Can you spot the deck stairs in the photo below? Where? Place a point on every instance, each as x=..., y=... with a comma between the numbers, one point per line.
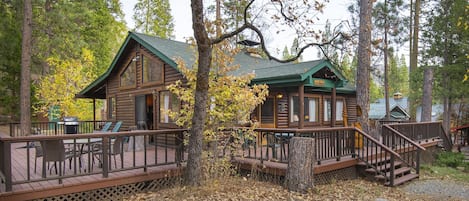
x=396, y=157
x=380, y=170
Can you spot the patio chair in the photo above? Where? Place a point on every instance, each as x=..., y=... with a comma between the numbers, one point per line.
x=278, y=141
x=117, y=127
x=38, y=153
x=105, y=127
x=54, y=151
x=116, y=148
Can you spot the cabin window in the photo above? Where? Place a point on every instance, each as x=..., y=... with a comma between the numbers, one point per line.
x=294, y=109
x=128, y=77
x=338, y=112
x=112, y=107
x=310, y=110
x=152, y=70
x=168, y=102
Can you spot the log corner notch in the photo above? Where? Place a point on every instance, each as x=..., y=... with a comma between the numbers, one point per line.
x=300, y=172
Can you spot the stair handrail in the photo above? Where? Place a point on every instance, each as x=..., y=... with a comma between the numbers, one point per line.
x=368, y=159
x=405, y=137
x=428, y=134
x=447, y=140
x=402, y=148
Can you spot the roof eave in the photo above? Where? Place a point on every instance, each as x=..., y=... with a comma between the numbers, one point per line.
x=278, y=80
x=106, y=74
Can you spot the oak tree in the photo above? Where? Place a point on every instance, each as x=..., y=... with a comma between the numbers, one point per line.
x=295, y=15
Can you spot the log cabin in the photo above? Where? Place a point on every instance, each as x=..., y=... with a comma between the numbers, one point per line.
x=301, y=95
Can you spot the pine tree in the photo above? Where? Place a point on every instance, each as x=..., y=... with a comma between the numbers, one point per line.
x=64, y=32
x=445, y=39
x=10, y=57
x=153, y=17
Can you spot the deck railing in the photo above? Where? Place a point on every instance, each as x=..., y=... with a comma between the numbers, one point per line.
x=410, y=151
x=330, y=143
x=375, y=155
x=424, y=131
x=158, y=147
x=273, y=144
x=54, y=128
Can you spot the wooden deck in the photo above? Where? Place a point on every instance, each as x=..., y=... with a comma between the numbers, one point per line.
x=86, y=177
x=333, y=152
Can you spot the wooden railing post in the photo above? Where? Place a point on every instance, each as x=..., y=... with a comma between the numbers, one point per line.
x=11, y=129
x=427, y=132
x=417, y=168
x=391, y=176
x=259, y=143
x=6, y=164
x=145, y=168
x=180, y=148
x=106, y=157
x=55, y=128
x=339, y=148
x=393, y=141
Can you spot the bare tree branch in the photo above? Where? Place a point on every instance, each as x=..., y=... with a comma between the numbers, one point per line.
x=281, y=11
x=249, y=26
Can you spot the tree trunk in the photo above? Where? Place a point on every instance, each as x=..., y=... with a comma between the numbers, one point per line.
x=25, y=97
x=363, y=72
x=386, y=65
x=447, y=113
x=193, y=174
x=427, y=95
x=301, y=160
x=414, y=55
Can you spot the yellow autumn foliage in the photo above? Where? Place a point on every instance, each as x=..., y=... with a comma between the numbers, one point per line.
x=231, y=97
x=67, y=78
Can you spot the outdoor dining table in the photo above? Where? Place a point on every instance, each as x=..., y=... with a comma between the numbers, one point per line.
x=82, y=142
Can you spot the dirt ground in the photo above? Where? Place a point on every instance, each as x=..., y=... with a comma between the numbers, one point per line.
x=239, y=188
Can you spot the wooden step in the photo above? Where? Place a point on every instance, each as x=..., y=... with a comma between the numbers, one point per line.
x=397, y=172
x=374, y=162
x=384, y=167
x=403, y=179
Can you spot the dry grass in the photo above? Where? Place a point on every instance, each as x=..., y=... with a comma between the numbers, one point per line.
x=236, y=188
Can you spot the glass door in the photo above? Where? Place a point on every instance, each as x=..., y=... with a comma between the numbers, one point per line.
x=144, y=112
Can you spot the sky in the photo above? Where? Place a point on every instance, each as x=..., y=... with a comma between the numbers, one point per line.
x=335, y=11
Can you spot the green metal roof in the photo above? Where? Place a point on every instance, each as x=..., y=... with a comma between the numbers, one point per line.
x=266, y=71
x=167, y=50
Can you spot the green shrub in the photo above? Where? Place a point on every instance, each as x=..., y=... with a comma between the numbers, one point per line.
x=450, y=159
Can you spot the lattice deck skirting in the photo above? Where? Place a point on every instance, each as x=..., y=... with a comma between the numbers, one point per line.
x=335, y=175
x=319, y=179
x=117, y=192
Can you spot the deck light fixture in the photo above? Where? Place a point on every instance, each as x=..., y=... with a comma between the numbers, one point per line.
x=279, y=95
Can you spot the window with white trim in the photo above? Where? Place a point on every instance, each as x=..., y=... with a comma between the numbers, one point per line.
x=168, y=102
x=338, y=112
x=311, y=110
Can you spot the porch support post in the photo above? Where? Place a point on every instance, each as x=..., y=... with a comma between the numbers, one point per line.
x=301, y=97
x=94, y=114
x=333, y=107
x=105, y=157
x=5, y=167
